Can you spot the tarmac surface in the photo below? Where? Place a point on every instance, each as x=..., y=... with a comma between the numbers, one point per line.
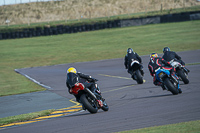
x=132, y=106
x=31, y=102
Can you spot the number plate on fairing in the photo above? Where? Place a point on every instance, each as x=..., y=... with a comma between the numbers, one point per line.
x=161, y=75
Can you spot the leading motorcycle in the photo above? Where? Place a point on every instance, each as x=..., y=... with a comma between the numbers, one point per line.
x=91, y=101
x=181, y=72
x=170, y=82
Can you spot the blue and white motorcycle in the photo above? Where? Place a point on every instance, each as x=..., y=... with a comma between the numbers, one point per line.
x=170, y=82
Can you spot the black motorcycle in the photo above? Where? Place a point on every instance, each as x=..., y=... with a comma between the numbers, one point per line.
x=136, y=72
x=91, y=101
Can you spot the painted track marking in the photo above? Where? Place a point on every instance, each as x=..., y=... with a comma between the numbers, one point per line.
x=118, y=77
x=64, y=111
x=55, y=114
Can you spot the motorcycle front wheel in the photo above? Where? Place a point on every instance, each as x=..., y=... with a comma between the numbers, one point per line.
x=89, y=105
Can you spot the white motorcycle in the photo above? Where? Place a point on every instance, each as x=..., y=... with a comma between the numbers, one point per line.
x=181, y=72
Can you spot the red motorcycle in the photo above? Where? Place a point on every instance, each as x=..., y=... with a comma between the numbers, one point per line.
x=91, y=101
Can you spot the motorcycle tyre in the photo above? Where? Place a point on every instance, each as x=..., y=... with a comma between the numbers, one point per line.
x=87, y=105
x=105, y=106
x=139, y=77
x=183, y=77
x=170, y=86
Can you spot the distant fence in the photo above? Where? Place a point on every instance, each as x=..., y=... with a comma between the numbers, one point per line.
x=63, y=29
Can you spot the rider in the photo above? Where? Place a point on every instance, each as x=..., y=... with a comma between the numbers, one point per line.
x=86, y=80
x=170, y=55
x=158, y=62
x=128, y=59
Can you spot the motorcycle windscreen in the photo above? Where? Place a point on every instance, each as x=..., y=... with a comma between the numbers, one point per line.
x=72, y=79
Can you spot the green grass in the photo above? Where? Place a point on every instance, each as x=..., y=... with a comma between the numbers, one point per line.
x=184, y=127
x=24, y=117
x=88, y=46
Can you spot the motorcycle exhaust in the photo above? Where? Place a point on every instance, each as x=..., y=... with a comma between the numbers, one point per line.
x=91, y=94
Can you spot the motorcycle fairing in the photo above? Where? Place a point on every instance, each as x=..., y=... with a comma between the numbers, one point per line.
x=77, y=87
x=160, y=71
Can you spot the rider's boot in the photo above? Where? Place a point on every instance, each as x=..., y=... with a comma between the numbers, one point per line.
x=83, y=107
x=179, y=90
x=134, y=77
x=129, y=71
x=163, y=87
x=157, y=83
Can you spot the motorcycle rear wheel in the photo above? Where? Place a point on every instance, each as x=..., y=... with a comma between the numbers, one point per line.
x=91, y=108
x=170, y=86
x=183, y=76
x=139, y=77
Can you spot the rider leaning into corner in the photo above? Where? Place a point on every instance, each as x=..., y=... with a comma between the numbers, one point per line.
x=156, y=63
x=128, y=59
x=170, y=55
x=82, y=78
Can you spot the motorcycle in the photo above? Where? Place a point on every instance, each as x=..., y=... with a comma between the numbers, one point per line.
x=181, y=72
x=170, y=82
x=136, y=73
x=91, y=101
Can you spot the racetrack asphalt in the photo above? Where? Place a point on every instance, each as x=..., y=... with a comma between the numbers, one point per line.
x=132, y=106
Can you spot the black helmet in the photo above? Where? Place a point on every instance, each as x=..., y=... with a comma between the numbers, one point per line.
x=129, y=50
x=166, y=49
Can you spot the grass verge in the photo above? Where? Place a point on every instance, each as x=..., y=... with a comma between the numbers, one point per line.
x=184, y=127
x=24, y=117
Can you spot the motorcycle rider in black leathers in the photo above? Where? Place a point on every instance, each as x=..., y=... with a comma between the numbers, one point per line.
x=170, y=55
x=86, y=80
x=156, y=63
x=128, y=60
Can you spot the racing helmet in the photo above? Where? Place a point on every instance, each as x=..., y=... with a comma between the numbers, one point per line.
x=166, y=49
x=129, y=50
x=153, y=55
x=71, y=70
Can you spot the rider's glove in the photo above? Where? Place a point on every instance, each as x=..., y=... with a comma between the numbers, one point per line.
x=92, y=79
